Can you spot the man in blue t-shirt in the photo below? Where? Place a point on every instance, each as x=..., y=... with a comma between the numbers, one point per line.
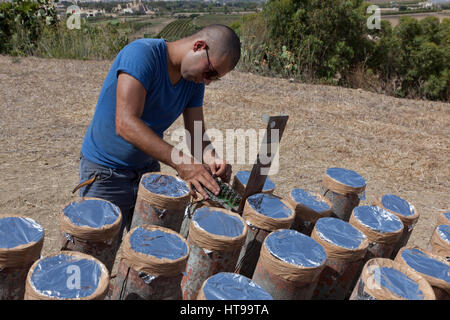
x=150, y=84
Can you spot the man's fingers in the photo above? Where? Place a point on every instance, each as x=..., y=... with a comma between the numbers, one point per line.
x=221, y=170
x=192, y=191
x=224, y=172
x=208, y=181
x=199, y=188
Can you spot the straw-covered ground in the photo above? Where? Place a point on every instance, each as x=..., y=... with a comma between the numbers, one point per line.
x=399, y=146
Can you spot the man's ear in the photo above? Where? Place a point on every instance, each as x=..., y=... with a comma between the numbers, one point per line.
x=199, y=45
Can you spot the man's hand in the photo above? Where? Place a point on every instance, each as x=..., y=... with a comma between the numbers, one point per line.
x=217, y=166
x=197, y=175
x=221, y=169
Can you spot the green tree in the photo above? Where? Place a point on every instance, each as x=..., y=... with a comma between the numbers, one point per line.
x=21, y=23
x=329, y=41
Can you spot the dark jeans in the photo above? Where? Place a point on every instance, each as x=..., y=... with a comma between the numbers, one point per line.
x=119, y=186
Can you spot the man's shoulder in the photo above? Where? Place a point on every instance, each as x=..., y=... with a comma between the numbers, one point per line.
x=145, y=44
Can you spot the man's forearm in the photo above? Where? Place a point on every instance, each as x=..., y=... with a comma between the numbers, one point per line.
x=207, y=150
x=136, y=132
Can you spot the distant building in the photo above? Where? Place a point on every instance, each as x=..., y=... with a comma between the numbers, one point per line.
x=437, y=3
x=92, y=12
x=134, y=8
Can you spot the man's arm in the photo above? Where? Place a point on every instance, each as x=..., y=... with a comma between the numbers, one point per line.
x=208, y=155
x=130, y=101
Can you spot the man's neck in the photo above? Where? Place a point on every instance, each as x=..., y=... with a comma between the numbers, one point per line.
x=173, y=62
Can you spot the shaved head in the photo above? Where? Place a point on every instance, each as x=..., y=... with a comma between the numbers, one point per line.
x=222, y=41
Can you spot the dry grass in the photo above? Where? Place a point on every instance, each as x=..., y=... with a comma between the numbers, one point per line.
x=400, y=146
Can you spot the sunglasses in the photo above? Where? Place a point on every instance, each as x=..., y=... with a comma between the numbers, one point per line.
x=212, y=73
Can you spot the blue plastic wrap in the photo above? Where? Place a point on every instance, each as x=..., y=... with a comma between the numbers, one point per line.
x=218, y=222
x=17, y=231
x=243, y=177
x=339, y=233
x=165, y=185
x=447, y=215
x=158, y=244
x=295, y=248
x=398, y=283
x=377, y=219
x=422, y=263
x=347, y=177
x=232, y=286
x=270, y=206
x=66, y=277
x=92, y=213
x=444, y=232
x=397, y=205
x=309, y=199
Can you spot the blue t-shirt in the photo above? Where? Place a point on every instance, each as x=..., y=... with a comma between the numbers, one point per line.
x=145, y=60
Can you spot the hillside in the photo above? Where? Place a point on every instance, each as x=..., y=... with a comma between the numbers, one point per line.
x=400, y=146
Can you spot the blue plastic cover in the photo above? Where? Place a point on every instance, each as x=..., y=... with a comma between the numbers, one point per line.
x=377, y=219
x=243, y=177
x=398, y=283
x=447, y=215
x=339, y=233
x=444, y=232
x=17, y=231
x=348, y=177
x=92, y=213
x=309, y=199
x=66, y=277
x=218, y=222
x=158, y=244
x=165, y=185
x=422, y=263
x=397, y=205
x=270, y=206
x=232, y=286
x=295, y=248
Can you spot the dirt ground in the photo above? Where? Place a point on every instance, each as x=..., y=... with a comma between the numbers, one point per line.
x=399, y=146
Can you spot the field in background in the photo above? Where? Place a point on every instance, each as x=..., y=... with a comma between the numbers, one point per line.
x=395, y=19
x=400, y=146
x=182, y=24
x=225, y=19
x=184, y=27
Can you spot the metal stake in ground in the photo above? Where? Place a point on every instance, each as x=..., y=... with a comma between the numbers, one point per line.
x=269, y=148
